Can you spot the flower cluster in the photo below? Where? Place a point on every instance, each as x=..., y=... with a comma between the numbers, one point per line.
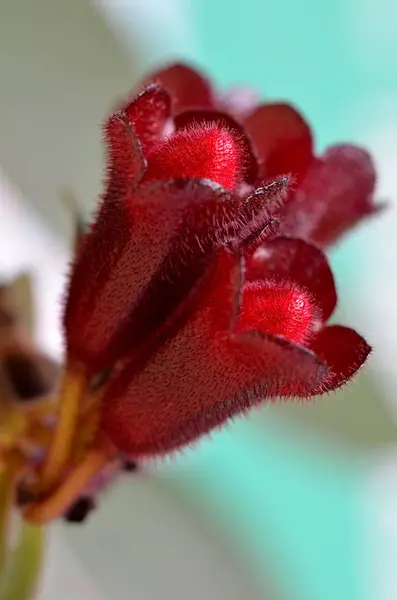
x=203, y=277
x=201, y=288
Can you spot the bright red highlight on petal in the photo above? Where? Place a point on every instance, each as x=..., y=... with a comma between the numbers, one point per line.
x=204, y=374
x=205, y=152
x=293, y=259
x=202, y=288
x=282, y=309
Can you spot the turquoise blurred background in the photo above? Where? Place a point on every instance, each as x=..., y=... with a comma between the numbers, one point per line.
x=285, y=496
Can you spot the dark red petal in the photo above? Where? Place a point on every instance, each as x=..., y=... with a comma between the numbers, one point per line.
x=205, y=151
x=149, y=113
x=336, y=193
x=209, y=219
x=343, y=350
x=222, y=120
x=204, y=375
x=125, y=160
x=145, y=253
x=256, y=219
x=281, y=139
x=279, y=308
x=186, y=86
x=132, y=240
x=298, y=261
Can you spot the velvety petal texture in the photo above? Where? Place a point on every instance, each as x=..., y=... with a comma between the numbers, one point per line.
x=205, y=118
x=201, y=289
x=280, y=308
x=133, y=238
x=205, y=151
x=295, y=260
x=336, y=193
x=205, y=374
x=144, y=253
x=149, y=113
x=344, y=350
x=186, y=86
x=282, y=140
x=125, y=160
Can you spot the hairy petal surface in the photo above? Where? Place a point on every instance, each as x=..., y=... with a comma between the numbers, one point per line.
x=205, y=151
x=149, y=113
x=343, y=350
x=205, y=374
x=281, y=139
x=280, y=308
x=144, y=254
x=295, y=260
x=336, y=193
x=186, y=86
x=197, y=118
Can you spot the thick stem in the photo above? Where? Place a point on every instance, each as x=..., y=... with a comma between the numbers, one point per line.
x=73, y=485
x=70, y=402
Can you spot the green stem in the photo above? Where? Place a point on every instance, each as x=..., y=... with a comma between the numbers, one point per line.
x=7, y=480
x=25, y=564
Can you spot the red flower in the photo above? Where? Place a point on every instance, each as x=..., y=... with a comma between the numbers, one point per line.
x=332, y=192
x=185, y=291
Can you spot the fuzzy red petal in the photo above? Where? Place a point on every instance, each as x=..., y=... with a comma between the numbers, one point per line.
x=204, y=375
x=298, y=261
x=125, y=161
x=186, y=86
x=343, y=350
x=260, y=211
x=209, y=219
x=336, y=193
x=144, y=254
x=149, y=113
x=281, y=139
x=224, y=121
x=205, y=151
x=279, y=308
x=131, y=237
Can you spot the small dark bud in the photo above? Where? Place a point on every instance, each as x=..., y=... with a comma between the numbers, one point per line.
x=130, y=466
x=80, y=510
